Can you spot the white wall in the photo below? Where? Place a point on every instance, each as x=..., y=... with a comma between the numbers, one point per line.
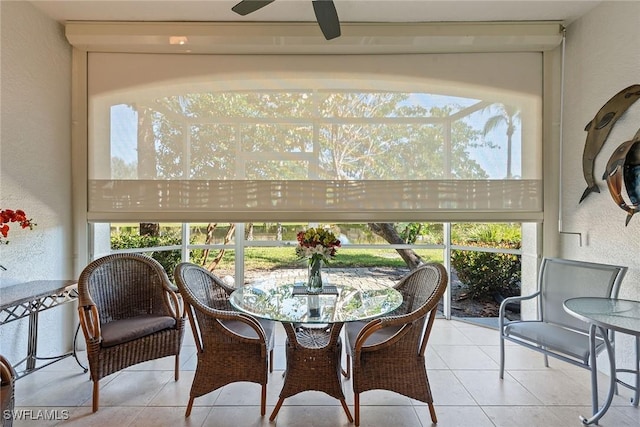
x=35, y=162
x=602, y=58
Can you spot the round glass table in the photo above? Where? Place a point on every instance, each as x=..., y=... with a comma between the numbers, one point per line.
x=288, y=302
x=604, y=315
x=313, y=323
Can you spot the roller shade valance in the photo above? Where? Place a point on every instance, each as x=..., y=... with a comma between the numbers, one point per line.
x=196, y=200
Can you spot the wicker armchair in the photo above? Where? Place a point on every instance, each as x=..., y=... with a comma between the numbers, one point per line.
x=388, y=352
x=129, y=313
x=232, y=346
x=7, y=391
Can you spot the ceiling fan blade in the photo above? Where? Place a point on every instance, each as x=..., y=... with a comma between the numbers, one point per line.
x=245, y=7
x=327, y=17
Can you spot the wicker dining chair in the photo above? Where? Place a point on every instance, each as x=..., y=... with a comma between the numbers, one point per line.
x=7, y=391
x=129, y=313
x=387, y=353
x=231, y=346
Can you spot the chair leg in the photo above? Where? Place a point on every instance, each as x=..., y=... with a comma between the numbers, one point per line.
x=263, y=400
x=346, y=410
x=636, y=396
x=189, y=406
x=501, y=356
x=177, y=368
x=270, y=362
x=347, y=373
x=432, y=411
x=96, y=395
x=546, y=361
x=356, y=408
x=274, y=414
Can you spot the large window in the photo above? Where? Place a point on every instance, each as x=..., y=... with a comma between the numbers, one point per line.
x=418, y=123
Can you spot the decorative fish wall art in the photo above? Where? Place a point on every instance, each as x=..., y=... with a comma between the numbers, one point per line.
x=624, y=168
x=598, y=130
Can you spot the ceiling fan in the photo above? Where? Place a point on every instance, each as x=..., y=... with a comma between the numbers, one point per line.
x=325, y=11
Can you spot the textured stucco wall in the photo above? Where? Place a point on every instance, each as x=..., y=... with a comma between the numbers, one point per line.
x=602, y=58
x=35, y=161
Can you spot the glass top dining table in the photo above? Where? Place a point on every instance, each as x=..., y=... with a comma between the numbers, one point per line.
x=314, y=351
x=338, y=303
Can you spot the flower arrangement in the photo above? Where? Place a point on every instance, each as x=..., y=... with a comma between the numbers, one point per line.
x=317, y=244
x=9, y=215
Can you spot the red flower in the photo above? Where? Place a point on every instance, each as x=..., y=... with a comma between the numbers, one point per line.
x=4, y=229
x=9, y=215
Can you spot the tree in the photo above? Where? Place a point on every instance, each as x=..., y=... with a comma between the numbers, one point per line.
x=219, y=125
x=211, y=228
x=146, y=163
x=361, y=151
x=123, y=170
x=388, y=231
x=145, y=168
x=509, y=116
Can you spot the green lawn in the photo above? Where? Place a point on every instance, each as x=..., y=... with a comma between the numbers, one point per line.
x=275, y=258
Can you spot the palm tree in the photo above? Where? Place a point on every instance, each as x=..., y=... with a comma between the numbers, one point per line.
x=146, y=167
x=510, y=116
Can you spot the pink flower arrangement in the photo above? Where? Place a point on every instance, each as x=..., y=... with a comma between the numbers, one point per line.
x=317, y=243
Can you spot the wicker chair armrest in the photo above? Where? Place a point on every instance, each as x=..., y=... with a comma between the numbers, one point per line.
x=228, y=289
x=90, y=323
x=375, y=326
x=402, y=319
x=236, y=315
x=176, y=305
x=7, y=372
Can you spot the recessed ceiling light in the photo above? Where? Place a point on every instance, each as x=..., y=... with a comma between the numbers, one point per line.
x=178, y=40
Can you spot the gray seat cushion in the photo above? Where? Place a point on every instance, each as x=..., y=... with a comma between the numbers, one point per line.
x=553, y=337
x=245, y=330
x=354, y=328
x=125, y=330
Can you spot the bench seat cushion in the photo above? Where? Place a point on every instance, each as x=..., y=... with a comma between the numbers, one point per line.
x=553, y=337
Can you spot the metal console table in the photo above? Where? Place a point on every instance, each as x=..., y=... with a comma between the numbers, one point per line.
x=28, y=300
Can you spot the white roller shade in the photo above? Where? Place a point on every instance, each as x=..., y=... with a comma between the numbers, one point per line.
x=322, y=137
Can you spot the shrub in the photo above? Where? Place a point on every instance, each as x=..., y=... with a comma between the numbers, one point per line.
x=487, y=273
x=167, y=258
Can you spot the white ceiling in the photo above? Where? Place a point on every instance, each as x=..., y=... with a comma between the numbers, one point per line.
x=302, y=10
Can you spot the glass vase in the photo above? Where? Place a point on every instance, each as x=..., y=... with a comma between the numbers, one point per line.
x=314, y=282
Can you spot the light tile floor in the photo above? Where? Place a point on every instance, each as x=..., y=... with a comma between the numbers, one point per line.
x=462, y=361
